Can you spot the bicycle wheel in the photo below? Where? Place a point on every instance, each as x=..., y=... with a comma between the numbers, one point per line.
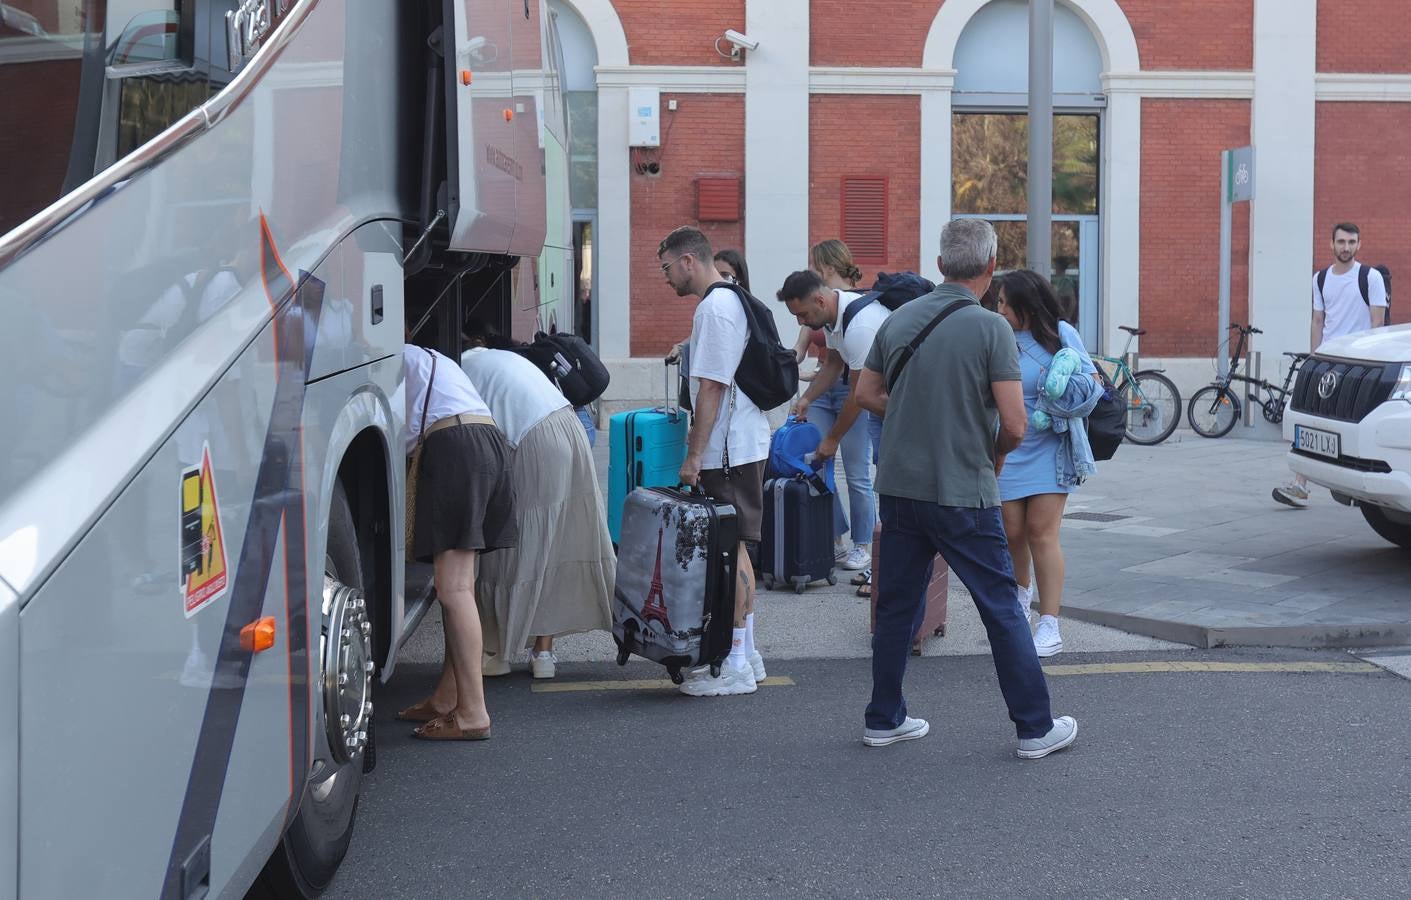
x=1153, y=408
x=1213, y=411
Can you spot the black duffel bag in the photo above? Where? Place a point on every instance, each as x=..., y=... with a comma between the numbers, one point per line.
x=570, y=363
x=1107, y=423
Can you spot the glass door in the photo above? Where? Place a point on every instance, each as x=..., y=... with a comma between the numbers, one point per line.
x=990, y=159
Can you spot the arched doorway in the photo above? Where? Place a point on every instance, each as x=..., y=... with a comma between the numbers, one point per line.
x=989, y=146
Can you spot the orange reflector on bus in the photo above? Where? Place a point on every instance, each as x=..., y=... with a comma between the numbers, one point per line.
x=465, y=76
x=509, y=115
x=258, y=635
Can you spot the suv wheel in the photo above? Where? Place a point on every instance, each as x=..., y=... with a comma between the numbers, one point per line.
x=1397, y=530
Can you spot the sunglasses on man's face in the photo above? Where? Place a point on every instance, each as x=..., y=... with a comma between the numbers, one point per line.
x=666, y=266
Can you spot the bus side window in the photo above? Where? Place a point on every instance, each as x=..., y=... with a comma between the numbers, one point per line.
x=154, y=76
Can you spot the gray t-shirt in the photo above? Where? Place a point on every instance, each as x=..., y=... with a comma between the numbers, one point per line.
x=938, y=439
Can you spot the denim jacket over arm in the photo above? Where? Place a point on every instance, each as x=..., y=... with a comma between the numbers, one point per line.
x=1075, y=454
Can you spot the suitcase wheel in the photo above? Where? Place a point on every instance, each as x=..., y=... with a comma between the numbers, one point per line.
x=768, y=581
x=675, y=673
x=940, y=631
x=623, y=652
x=916, y=649
x=832, y=579
x=714, y=671
x=800, y=584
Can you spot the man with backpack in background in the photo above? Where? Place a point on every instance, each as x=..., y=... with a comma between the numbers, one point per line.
x=729, y=438
x=1348, y=297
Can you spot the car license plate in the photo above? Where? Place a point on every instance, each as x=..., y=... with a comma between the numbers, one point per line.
x=1311, y=440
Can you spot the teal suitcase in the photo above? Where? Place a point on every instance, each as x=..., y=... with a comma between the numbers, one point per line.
x=646, y=448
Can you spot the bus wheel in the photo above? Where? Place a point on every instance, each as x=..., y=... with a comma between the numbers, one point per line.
x=316, y=841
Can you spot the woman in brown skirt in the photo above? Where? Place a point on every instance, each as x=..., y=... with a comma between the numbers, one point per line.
x=464, y=507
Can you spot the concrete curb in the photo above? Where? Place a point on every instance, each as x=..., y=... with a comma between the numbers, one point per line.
x=1312, y=636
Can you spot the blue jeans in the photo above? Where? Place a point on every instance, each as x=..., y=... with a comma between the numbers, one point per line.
x=823, y=412
x=588, y=426
x=973, y=544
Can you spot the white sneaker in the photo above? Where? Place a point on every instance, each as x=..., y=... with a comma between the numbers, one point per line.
x=493, y=666
x=1026, y=597
x=909, y=730
x=541, y=664
x=736, y=677
x=1063, y=733
x=757, y=666
x=858, y=559
x=1292, y=494
x=1047, y=639
x=840, y=553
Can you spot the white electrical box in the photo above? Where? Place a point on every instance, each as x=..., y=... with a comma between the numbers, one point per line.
x=644, y=117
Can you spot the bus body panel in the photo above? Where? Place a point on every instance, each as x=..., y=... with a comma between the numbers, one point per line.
x=9, y=743
x=361, y=318
x=486, y=118
x=117, y=674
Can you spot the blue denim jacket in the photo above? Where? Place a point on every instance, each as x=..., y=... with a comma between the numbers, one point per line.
x=1075, y=454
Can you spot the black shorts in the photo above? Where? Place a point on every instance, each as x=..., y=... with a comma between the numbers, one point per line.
x=744, y=490
x=465, y=492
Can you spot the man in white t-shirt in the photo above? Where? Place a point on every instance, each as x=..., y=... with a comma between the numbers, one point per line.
x=1338, y=309
x=848, y=334
x=728, y=442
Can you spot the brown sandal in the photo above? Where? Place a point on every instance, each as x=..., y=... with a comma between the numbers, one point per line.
x=419, y=712
x=444, y=728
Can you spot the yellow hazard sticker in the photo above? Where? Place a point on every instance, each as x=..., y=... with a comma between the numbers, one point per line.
x=203, y=570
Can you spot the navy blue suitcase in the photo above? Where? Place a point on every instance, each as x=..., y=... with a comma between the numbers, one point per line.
x=797, y=545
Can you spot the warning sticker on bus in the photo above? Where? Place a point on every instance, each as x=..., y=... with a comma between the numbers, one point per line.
x=203, y=572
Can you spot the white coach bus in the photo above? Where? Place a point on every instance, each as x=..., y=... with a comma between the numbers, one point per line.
x=218, y=218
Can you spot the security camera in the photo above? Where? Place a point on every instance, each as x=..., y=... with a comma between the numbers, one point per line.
x=741, y=41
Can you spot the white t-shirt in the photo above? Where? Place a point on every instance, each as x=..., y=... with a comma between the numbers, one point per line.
x=1341, y=301
x=719, y=331
x=854, y=343
x=518, y=394
x=452, y=394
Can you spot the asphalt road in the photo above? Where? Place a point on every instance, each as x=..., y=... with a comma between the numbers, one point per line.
x=1181, y=784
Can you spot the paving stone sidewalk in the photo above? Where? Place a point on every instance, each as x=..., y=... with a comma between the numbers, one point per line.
x=1183, y=541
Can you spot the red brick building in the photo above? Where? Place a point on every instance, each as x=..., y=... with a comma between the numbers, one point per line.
x=877, y=122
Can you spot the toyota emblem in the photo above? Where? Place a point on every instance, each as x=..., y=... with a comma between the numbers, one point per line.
x=1327, y=385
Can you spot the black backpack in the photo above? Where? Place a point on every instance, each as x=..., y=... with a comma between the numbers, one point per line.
x=569, y=362
x=768, y=372
x=892, y=291
x=1364, y=273
x=1107, y=423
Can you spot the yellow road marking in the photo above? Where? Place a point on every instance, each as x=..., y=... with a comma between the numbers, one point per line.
x=1147, y=667
x=639, y=684
x=1121, y=668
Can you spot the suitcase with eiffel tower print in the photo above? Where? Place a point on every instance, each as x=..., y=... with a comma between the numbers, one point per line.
x=675, y=597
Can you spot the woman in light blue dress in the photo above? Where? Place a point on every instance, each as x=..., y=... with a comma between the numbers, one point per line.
x=1029, y=486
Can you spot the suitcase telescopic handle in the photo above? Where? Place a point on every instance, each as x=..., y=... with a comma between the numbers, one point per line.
x=671, y=408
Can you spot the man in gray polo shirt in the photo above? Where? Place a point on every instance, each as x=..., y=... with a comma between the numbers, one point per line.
x=945, y=374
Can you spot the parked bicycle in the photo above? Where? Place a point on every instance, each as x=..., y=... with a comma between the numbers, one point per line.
x=1153, y=403
x=1215, y=409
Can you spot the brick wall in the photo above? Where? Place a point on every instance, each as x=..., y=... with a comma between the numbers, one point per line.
x=1180, y=213
x=678, y=32
x=704, y=136
x=893, y=127
x=848, y=33
x=1194, y=34
x=1366, y=183
x=1371, y=36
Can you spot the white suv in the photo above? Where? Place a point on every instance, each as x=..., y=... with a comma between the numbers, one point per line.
x=1349, y=423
